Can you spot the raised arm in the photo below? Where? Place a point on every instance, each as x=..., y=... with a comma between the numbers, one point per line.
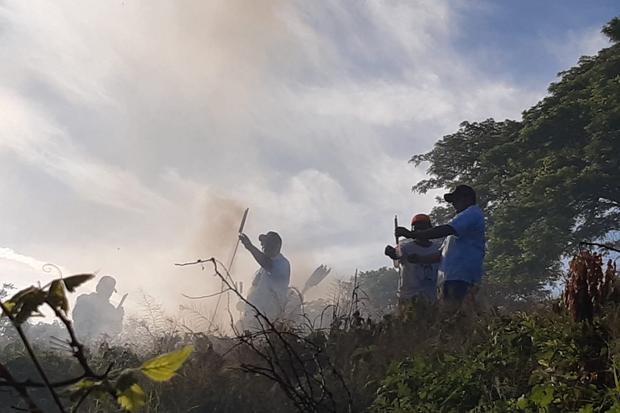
x=262, y=260
x=440, y=231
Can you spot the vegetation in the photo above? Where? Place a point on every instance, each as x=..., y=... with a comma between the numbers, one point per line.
x=120, y=384
x=421, y=359
x=546, y=182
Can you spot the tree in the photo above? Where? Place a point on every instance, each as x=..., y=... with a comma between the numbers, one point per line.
x=6, y=331
x=546, y=182
x=379, y=289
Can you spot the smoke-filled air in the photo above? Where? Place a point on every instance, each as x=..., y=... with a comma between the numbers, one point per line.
x=309, y=206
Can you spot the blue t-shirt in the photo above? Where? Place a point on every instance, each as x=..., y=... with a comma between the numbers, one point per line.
x=462, y=254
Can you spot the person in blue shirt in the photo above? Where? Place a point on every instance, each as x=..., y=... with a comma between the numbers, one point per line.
x=462, y=253
x=269, y=290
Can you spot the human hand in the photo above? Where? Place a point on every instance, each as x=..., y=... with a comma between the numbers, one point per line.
x=390, y=251
x=245, y=240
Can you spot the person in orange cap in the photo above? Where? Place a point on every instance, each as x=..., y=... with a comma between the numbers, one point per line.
x=418, y=277
x=462, y=255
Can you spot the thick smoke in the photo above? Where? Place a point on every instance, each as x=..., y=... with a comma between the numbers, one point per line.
x=134, y=133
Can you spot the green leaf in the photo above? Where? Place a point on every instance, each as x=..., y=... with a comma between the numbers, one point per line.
x=522, y=402
x=26, y=302
x=75, y=281
x=614, y=409
x=132, y=398
x=542, y=396
x=84, y=384
x=164, y=367
x=77, y=390
x=56, y=296
x=9, y=305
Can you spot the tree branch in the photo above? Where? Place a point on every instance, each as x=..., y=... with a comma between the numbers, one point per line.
x=33, y=357
x=595, y=244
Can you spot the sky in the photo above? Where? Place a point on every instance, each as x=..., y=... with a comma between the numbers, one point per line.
x=133, y=134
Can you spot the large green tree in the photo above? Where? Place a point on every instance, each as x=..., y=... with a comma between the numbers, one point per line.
x=546, y=182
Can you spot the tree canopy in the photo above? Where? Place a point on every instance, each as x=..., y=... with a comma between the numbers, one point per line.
x=546, y=182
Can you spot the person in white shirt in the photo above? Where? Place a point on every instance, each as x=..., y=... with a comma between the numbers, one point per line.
x=462, y=255
x=417, y=280
x=269, y=289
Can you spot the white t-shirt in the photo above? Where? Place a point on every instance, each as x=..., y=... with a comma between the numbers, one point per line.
x=416, y=279
x=270, y=288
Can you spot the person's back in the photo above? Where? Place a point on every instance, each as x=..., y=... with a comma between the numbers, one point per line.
x=463, y=252
x=417, y=280
x=94, y=316
x=269, y=289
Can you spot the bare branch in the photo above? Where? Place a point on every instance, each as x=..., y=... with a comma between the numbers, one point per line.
x=595, y=244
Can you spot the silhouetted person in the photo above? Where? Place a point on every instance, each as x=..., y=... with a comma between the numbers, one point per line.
x=269, y=289
x=417, y=279
x=462, y=253
x=94, y=315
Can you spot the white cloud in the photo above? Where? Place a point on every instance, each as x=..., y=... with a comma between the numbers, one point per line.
x=575, y=44
x=164, y=120
x=36, y=140
x=10, y=255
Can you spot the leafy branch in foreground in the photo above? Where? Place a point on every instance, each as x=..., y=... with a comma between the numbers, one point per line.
x=120, y=385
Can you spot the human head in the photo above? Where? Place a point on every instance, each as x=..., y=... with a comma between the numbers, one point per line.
x=271, y=243
x=421, y=222
x=105, y=286
x=462, y=197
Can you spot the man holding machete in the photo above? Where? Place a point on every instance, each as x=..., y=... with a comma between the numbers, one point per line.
x=417, y=280
x=462, y=253
x=93, y=314
x=269, y=289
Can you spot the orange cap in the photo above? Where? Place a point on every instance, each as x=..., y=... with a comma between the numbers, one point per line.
x=420, y=218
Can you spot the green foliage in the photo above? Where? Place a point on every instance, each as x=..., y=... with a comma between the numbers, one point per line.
x=121, y=383
x=533, y=363
x=24, y=303
x=132, y=398
x=378, y=290
x=422, y=360
x=546, y=182
x=57, y=297
x=612, y=29
x=164, y=367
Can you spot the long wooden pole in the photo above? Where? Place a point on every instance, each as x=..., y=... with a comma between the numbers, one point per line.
x=230, y=264
x=396, y=237
x=234, y=254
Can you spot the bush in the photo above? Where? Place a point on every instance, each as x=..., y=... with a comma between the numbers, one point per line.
x=524, y=362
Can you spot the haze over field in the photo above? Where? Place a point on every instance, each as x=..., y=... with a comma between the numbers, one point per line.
x=133, y=134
